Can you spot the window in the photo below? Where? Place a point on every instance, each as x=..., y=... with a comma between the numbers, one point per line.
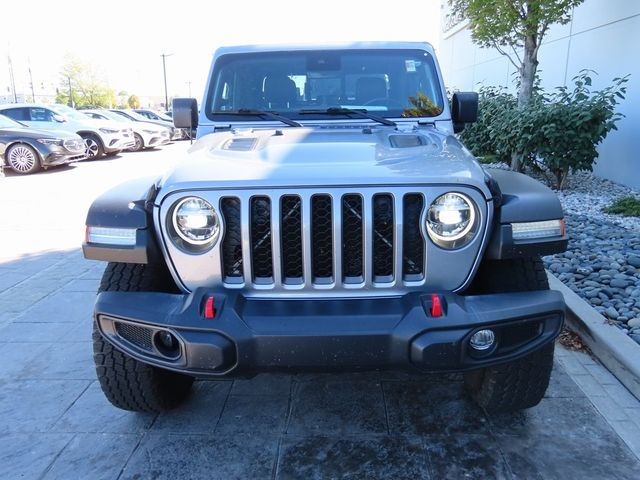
x=394, y=83
x=20, y=114
x=41, y=115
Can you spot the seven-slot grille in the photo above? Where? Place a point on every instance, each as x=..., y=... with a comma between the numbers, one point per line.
x=322, y=240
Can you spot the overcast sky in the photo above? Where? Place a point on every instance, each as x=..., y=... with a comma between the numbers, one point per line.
x=124, y=39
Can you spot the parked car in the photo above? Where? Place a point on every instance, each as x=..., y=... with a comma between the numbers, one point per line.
x=101, y=137
x=146, y=134
x=333, y=223
x=130, y=114
x=27, y=150
x=165, y=117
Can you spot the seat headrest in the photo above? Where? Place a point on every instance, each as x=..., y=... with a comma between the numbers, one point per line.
x=368, y=88
x=280, y=90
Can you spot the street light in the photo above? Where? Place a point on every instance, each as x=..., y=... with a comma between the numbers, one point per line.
x=164, y=71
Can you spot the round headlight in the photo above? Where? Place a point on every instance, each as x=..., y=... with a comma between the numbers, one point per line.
x=195, y=221
x=451, y=220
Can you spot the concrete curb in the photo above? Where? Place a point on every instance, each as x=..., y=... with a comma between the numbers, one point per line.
x=616, y=351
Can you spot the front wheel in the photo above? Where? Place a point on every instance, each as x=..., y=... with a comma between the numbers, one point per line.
x=94, y=149
x=126, y=382
x=139, y=145
x=521, y=383
x=23, y=159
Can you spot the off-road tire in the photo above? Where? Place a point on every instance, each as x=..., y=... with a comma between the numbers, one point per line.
x=126, y=382
x=521, y=383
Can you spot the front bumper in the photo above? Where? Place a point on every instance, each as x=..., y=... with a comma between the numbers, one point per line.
x=117, y=142
x=253, y=335
x=54, y=158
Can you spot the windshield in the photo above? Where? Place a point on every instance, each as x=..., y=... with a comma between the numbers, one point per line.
x=110, y=115
x=131, y=114
x=69, y=112
x=392, y=83
x=6, y=122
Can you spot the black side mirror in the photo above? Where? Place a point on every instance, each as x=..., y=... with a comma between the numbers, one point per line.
x=185, y=113
x=464, y=109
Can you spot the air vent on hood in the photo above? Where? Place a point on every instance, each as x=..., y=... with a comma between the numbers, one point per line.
x=406, y=141
x=240, y=144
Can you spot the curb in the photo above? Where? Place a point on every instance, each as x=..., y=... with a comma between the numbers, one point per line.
x=614, y=349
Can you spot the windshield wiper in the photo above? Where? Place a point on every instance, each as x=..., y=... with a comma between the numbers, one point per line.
x=263, y=113
x=362, y=113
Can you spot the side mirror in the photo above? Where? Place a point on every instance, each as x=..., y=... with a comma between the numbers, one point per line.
x=59, y=118
x=185, y=113
x=464, y=109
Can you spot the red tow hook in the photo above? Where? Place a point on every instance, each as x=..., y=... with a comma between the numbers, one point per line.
x=436, y=305
x=210, y=308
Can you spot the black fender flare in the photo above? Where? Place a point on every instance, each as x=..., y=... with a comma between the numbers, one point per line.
x=522, y=199
x=128, y=205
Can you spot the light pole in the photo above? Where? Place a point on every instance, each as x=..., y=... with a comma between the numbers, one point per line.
x=164, y=72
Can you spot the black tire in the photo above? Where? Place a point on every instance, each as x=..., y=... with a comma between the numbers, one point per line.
x=126, y=382
x=23, y=158
x=521, y=383
x=94, y=148
x=139, y=144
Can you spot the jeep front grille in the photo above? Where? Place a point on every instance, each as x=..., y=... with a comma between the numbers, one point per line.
x=322, y=240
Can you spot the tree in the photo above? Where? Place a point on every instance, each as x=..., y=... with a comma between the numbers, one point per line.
x=133, y=101
x=516, y=29
x=82, y=85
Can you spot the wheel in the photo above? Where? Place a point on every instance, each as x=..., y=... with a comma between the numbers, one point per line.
x=139, y=144
x=23, y=158
x=126, y=382
x=521, y=383
x=94, y=146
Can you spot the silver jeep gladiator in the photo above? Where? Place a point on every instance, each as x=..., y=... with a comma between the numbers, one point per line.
x=326, y=219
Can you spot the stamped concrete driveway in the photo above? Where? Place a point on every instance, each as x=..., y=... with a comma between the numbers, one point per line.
x=55, y=423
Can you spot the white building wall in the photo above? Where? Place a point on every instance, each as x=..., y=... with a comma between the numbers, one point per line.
x=603, y=35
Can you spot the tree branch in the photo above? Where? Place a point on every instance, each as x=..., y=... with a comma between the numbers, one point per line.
x=515, y=52
x=502, y=52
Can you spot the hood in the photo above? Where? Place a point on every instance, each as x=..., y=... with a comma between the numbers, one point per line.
x=331, y=156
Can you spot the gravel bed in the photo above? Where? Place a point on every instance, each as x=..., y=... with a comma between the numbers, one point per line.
x=602, y=263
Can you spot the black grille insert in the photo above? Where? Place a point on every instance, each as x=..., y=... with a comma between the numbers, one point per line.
x=139, y=336
x=383, y=237
x=352, y=238
x=232, y=241
x=412, y=241
x=261, y=256
x=321, y=238
x=291, y=238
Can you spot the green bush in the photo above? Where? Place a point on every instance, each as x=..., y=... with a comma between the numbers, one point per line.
x=556, y=132
x=483, y=137
x=627, y=206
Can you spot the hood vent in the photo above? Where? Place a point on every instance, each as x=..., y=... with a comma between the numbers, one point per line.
x=407, y=141
x=240, y=144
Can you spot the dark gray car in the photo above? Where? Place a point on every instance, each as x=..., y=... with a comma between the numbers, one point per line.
x=27, y=150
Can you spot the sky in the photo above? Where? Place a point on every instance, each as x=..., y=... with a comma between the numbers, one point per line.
x=124, y=40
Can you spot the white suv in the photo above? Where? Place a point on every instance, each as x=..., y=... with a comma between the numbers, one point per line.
x=100, y=136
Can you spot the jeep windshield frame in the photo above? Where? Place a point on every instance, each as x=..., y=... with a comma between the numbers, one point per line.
x=389, y=83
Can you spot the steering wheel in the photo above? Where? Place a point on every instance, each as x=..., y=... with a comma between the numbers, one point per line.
x=385, y=101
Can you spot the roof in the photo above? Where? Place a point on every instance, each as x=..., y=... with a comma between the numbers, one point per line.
x=327, y=46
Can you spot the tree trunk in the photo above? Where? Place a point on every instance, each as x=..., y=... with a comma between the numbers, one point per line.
x=525, y=91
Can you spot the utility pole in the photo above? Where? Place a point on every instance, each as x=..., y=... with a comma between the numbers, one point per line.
x=70, y=93
x=13, y=81
x=164, y=72
x=189, y=85
x=33, y=93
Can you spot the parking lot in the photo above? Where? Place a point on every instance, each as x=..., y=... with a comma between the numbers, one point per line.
x=55, y=422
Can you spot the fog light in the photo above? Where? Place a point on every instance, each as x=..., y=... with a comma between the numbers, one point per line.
x=167, y=344
x=482, y=340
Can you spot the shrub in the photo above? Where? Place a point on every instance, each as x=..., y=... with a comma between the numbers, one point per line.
x=557, y=132
x=627, y=206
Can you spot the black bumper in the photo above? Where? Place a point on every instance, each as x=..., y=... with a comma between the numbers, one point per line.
x=253, y=335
